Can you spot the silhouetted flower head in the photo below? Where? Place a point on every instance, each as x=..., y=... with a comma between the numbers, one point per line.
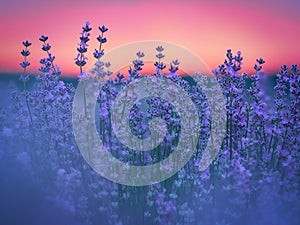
x=138, y=64
x=43, y=61
x=257, y=67
x=101, y=39
x=103, y=29
x=25, y=52
x=87, y=27
x=176, y=62
x=159, y=65
x=173, y=68
x=46, y=47
x=238, y=57
x=140, y=54
x=81, y=59
x=26, y=43
x=159, y=48
x=160, y=55
x=284, y=69
x=260, y=61
x=24, y=64
x=133, y=73
x=82, y=49
x=85, y=39
x=229, y=54
x=43, y=38
x=120, y=76
x=98, y=54
x=294, y=68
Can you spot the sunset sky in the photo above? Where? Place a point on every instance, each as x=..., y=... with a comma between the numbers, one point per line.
x=258, y=28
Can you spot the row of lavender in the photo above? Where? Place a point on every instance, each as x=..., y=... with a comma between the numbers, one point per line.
x=254, y=178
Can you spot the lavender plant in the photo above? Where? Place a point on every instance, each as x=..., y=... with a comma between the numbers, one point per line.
x=257, y=168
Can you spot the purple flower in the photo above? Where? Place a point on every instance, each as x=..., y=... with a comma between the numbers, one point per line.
x=43, y=38
x=25, y=52
x=229, y=55
x=82, y=49
x=140, y=54
x=257, y=68
x=80, y=63
x=26, y=43
x=260, y=61
x=120, y=76
x=294, y=68
x=138, y=64
x=159, y=65
x=160, y=55
x=133, y=73
x=80, y=60
x=98, y=54
x=173, y=69
x=24, y=64
x=101, y=39
x=176, y=62
x=46, y=47
x=84, y=40
x=159, y=48
x=238, y=57
x=87, y=27
x=103, y=29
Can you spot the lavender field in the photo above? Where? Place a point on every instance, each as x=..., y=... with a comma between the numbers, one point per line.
x=254, y=178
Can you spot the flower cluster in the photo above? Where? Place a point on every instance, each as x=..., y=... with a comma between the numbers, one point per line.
x=158, y=64
x=255, y=173
x=47, y=64
x=81, y=59
x=25, y=52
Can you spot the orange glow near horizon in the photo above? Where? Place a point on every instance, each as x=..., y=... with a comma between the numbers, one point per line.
x=208, y=29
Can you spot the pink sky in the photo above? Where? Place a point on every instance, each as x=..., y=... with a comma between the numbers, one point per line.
x=263, y=28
